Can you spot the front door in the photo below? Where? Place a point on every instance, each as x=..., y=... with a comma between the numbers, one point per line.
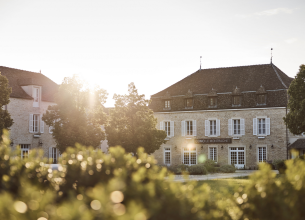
x=237, y=157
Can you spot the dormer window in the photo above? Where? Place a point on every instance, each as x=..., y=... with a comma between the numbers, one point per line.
x=236, y=101
x=189, y=103
x=36, y=96
x=167, y=104
x=212, y=99
x=261, y=99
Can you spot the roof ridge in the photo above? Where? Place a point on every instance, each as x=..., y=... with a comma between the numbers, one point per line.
x=234, y=66
x=278, y=75
x=20, y=69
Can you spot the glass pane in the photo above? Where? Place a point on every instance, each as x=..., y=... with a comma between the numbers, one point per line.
x=186, y=157
x=241, y=157
x=233, y=157
x=193, y=157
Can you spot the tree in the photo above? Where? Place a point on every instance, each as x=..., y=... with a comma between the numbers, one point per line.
x=295, y=118
x=78, y=115
x=5, y=117
x=132, y=124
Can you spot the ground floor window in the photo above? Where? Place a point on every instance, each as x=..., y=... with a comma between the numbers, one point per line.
x=237, y=156
x=262, y=154
x=189, y=156
x=25, y=148
x=53, y=155
x=213, y=153
x=167, y=156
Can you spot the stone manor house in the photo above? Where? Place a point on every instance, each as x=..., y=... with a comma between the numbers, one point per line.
x=232, y=115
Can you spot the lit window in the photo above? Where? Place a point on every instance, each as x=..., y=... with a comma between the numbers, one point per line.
x=213, y=153
x=212, y=127
x=189, y=156
x=167, y=156
x=24, y=150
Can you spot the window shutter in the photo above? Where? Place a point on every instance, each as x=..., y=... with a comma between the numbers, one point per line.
x=242, y=126
x=162, y=125
x=254, y=126
x=194, y=128
x=41, y=124
x=50, y=152
x=230, y=127
x=217, y=127
x=182, y=128
x=207, y=127
x=172, y=127
x=31, y=123
x=267, y=126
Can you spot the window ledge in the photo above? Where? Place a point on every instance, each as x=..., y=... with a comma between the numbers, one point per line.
x=36, y=135
x=236, y=138
x=212, y=106
x=190, y=107
x=261, y=137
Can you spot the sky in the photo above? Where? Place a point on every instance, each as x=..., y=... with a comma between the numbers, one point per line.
x=153, y=43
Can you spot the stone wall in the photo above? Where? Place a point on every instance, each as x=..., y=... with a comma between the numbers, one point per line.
x=277, y=136
x=20, y=110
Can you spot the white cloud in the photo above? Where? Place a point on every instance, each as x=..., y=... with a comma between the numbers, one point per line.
x=291, y=40
x=274, y=12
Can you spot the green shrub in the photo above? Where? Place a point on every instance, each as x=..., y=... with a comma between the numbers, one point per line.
x=198, y=169
x=280, y=166
x=210, y=165
x=227, y=169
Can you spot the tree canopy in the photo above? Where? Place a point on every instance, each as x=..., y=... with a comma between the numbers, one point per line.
x=78, y=115
x=132, y=124
x=5, y=117
x=295, y=118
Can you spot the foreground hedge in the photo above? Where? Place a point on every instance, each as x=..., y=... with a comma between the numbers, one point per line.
x=92, y=185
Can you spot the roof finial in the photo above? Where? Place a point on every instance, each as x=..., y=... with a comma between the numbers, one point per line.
x=200, y=62
x=271, y=55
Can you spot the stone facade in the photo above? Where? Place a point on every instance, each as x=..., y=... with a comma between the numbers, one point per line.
x=276, y=137
x=20, y=110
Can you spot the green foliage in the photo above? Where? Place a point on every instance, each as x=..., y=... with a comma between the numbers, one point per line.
x=210, y=165
x=78, y=114
x=197, y=169
x=295, y=118
x=280, y=165
x=5, y=117
x=90, y=185
x=132, y=124
x=227, y=169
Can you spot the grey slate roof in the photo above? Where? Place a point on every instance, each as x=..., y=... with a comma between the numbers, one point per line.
x=18, y=78
x=298, y=144
x=224, y=80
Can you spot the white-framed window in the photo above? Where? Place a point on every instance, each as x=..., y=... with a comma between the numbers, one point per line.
x=188, y=128
x=212, y=127
x=167, y=104
x=25, y=149
x=53, y=154
x=168, y=127
x=189, y=156
x=167, y=155
x=236, y=127
x=237, y=156
x=261, y=126
x=36, y=125
x=36, y=96
x=262, y=154
x=213, y=153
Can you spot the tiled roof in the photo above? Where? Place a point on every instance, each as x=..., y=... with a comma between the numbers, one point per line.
x=224, y=80
x=298, y=144
x=18, y=78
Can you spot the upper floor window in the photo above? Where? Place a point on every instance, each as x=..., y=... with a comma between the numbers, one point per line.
x=261, y=126
x=189, y=103
x=36, y=124
x=236, y=127
x=168, y=127
x=236, y=100
x=188, y=128
x=167, y=104
x=212, y=127
x=212, y=102
x=261, y=99
x=36, y=96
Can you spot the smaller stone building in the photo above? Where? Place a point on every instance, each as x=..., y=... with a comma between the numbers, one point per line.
x=231, y=115
x=31, y=95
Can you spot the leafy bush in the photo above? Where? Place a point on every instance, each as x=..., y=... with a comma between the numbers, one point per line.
x=210, y=165
x=197, y=169
x=280, y=166
x=227, y=169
